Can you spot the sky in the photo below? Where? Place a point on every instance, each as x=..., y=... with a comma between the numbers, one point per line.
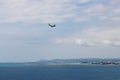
x=84, y=29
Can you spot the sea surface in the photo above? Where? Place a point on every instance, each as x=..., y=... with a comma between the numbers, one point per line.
x=79, y=72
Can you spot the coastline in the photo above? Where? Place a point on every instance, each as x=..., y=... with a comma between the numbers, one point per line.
x=67, y=62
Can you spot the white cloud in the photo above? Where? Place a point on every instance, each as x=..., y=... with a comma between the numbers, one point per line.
x=20, y=35
x=82, y=19
x=97, y=9
x=94, y=36
x=106, y=42
x=116, y=19
x=44, y=11
x=117, y=43
x=116, y=11
x=79, y=41
x=114, y=2
x=103, y=17
x=84, y=1
x=34, y=11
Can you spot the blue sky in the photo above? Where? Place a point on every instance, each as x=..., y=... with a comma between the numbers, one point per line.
x=85, y=29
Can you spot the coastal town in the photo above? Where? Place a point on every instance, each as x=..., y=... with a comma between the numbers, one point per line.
x=67, y=62
x=86, y=61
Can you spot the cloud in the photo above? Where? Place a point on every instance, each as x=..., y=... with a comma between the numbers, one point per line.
x=22, y=35
x=44, y=11
x=97, y=9
x=115, y=2
x=82, y=19
x=84, y=1
x=88, y=23
x=116, y=11
x=35, y=11
x=93, y=36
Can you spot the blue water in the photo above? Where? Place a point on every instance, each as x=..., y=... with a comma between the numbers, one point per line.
x=60, y=72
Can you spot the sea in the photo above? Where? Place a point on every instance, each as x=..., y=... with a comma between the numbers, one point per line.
x=60, y=72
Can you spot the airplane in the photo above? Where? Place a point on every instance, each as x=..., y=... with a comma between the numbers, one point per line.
x=52, y=25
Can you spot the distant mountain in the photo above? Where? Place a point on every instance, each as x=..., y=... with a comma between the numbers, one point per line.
x=81, y=61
